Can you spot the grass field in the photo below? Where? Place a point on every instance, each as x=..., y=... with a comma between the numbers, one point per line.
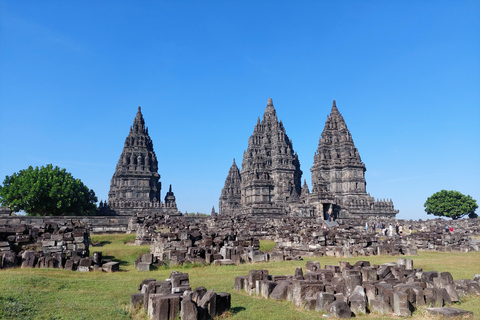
x=61, y=294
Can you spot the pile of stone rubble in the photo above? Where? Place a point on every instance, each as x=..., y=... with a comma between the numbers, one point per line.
x=223, y=239
x=49, y=245
x=173, y=298
x=346, y=290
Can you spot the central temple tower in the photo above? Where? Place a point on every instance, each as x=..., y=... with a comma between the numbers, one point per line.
x=270, y=174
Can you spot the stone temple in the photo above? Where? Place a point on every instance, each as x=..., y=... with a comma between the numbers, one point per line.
x=269, y=182
x=135, y=186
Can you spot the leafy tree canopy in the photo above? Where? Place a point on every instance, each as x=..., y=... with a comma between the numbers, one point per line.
x=452, y=204
x=47, y=191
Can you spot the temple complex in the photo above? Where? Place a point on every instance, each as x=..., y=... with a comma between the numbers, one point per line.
x=135, y=185
x=270, y=177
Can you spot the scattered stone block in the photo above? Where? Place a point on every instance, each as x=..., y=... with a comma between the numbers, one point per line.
x=112, y=266
x=340, y=309
x=448, y=312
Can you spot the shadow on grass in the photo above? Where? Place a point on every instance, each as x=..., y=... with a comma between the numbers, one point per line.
x=236, y=310
x=100, y=244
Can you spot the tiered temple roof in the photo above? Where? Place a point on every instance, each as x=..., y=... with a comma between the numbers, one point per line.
x=270, y=174
x=135, y=185
x=231, y=196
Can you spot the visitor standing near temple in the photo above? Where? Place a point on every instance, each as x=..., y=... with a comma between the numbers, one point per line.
x=397, y=229
x=390, y=229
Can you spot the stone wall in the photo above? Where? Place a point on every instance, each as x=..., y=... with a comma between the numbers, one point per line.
x=95, y=224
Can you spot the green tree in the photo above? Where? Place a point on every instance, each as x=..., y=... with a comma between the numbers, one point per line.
x=47, y=191
x=452, y=204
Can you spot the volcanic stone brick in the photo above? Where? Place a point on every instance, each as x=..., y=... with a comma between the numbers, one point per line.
x=369, y=274
x=446, y=282
x=188, y=309
x=208, y=305
x=303, y=289
x=144, y=283
x=198, y=293
x=358, y=300
x=254, y=275
x=352, y=278
x=69, y=265
x=84, y=265
x=340, y=309
x=179, y=279
x=266, y=288
x=401, y=304
x=156, y=287
x=380, y=306
x=312, y=266
x=97, y=258
x=324, y=299
x=223, y=303
x=136, y=300
x=29, y=259
x=240, y=283
x=448, y=312
x=428, y=276
x=163, y=307
x=280, y=291
x=143, y=266
x=309, y=303
x=298, y=274
x=112, y=266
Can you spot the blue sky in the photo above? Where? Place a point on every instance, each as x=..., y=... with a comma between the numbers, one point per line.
x=405, y=75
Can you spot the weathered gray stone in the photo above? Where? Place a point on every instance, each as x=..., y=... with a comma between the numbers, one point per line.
x=324, y=299
x=448, y=312
x=380, y=306
x=358, y=301
x=188, y=309
x=400, y=304
x=340, y=309
x=280, y=291
x=208, y=305
x=112, y=266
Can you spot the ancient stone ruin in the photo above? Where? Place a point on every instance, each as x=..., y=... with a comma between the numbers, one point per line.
x=173, y=299
x=49, y=245
x=135, y=185
x=269, y=182
x=345, y=290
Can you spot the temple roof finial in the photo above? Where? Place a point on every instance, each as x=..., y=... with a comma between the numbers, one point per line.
x=270, y=102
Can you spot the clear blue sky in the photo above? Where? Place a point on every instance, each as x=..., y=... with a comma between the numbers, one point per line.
x=405, y=75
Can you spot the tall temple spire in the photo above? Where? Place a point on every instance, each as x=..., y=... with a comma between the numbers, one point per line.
x=336, y=155
x=136, y=179
x=229, y=202
x=270, y=112
x=271, y=174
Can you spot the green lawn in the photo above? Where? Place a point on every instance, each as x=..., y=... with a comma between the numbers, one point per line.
x=60, y=294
